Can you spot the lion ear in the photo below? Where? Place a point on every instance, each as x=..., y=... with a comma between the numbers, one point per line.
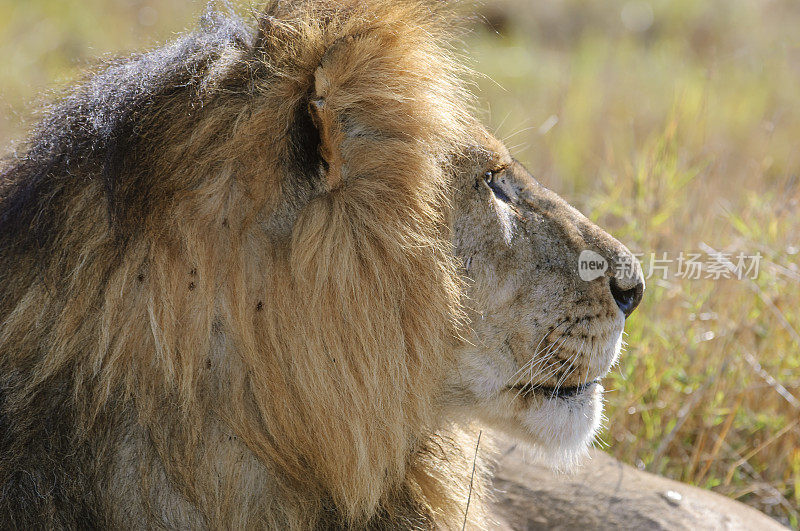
x=327, y=124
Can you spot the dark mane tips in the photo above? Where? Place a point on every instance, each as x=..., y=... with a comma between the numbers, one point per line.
x=101, y=132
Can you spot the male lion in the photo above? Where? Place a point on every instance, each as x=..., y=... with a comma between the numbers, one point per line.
x=264, y=279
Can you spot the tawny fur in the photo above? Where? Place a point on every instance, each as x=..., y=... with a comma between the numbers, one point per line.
x=232, y=325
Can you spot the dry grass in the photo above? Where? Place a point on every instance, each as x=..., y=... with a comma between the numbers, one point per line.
x=678, y=135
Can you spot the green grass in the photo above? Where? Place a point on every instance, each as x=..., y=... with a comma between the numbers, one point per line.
x=676, y=136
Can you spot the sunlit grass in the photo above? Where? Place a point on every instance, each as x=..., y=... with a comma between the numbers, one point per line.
x=678, y=136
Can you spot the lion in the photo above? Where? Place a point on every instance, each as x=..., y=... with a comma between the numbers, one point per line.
x=272, y=277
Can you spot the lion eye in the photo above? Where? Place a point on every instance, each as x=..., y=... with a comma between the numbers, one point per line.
x=491, y=178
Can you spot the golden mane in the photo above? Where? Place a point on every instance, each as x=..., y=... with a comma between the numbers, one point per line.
x=256, y=251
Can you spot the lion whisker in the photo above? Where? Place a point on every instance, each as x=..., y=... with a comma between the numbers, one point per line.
x=555, y=366
x=525, y=366
x=564, y=377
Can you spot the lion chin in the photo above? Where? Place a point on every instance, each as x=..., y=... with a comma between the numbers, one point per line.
x=558, y=430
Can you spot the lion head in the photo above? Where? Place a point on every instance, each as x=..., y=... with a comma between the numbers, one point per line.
x=543, y=331
x=267, y=278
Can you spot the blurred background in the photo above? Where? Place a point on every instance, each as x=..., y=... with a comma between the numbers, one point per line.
x=674, y=124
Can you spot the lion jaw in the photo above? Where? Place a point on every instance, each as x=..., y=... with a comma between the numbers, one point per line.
x=559, y=422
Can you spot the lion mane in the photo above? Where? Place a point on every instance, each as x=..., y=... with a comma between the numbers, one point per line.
x=227, y=291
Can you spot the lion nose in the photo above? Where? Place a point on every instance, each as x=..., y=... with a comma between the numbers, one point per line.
x=626, y=297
